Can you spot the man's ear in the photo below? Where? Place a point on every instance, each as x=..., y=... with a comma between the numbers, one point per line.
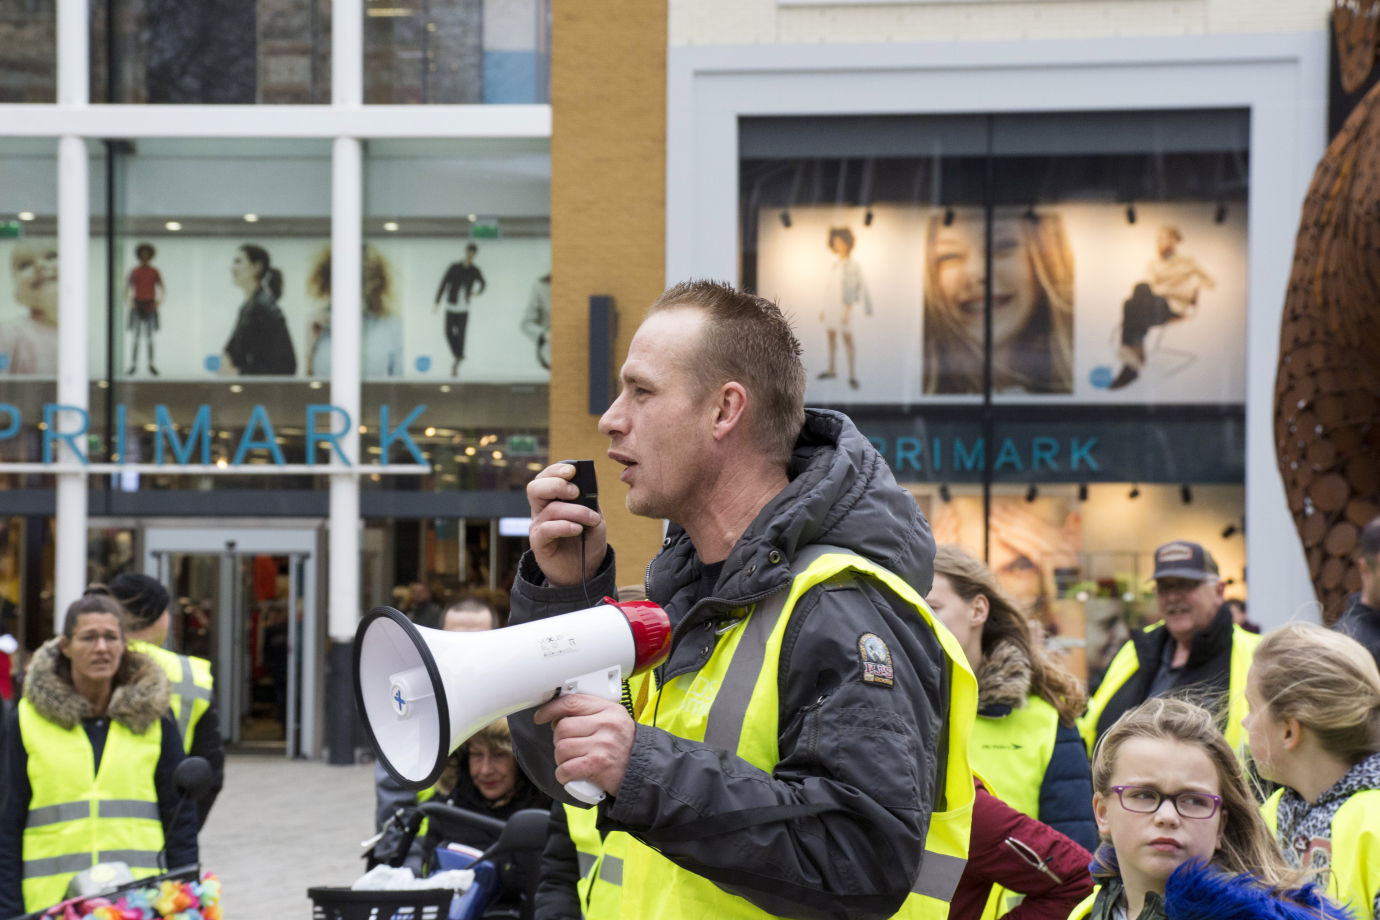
x=729, y=408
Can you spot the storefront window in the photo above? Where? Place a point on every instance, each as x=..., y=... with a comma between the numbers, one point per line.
x=28, y=51
x=213, y=53
x=1038, y=320
x=457, y=309
x=471, y=51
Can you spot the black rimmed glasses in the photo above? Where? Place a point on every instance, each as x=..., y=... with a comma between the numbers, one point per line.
x=1145, y=800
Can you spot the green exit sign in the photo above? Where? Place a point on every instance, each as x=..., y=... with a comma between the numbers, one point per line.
x=485, y=230
x=522, y=444
x=9, y=229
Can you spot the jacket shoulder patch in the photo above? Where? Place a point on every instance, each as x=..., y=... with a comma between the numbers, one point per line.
x=876, y=660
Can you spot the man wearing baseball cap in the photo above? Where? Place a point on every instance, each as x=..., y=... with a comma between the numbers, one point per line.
x=192, y=702
x=1197, y=650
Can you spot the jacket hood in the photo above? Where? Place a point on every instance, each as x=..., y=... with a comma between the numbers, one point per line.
x=1004, y=679
x=841, y=493
x=137, y=703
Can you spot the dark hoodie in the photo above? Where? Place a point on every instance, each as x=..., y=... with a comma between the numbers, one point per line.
x=865, y=756
x=136, y=704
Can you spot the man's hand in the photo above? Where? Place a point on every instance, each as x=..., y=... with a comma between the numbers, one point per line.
x=559, y=525
x=593, y=738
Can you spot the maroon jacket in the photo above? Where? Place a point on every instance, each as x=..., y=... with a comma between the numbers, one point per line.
x=1050, y=870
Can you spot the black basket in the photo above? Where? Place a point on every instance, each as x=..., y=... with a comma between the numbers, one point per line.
x=347, y=904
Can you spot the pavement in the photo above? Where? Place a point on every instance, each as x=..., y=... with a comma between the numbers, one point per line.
x=281, y=826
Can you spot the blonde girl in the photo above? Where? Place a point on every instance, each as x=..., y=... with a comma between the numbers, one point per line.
x=1182, y=836
x=1314, y=727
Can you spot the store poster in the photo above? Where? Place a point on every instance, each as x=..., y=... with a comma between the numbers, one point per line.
x=181, y=305
x=1087, y=306
x=852, y=290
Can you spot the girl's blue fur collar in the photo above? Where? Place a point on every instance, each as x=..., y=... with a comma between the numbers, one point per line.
x=1199, y=892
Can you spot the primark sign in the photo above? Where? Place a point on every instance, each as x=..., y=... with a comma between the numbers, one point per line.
x=184, y=444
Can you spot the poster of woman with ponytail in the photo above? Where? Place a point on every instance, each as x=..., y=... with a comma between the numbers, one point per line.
x=260, y=343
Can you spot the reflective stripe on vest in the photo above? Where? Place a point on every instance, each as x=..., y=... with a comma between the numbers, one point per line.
x=190, y=681
x=1126, y=662
x=601, y=864
x=737, y=709
x=1353, y=873
x=77, y=816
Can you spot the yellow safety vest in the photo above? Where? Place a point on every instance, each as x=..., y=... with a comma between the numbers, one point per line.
x=738, y=711
x=1126, y=663
x=1085, y=906
x=189, y=678
x=79, y=817
x=1353, y=878
x=1016, y=747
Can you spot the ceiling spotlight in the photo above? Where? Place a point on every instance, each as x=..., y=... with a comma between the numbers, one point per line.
x=1130, y=213
x=251, y=218
x=1032, y=493
x=1030, y=215
x=173, y=225
x=1135, y=490
x=786, y=219
x=1082, y=491
x=1220, y=216
x=471, y=217
x=1186, y=494
x=26, y=215
x=1228, y=532
x=391, y=226
x=948, y=217
x=867, y=218
x=944, y=494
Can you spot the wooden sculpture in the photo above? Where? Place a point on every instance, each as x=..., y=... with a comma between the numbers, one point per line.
x=1327, y=392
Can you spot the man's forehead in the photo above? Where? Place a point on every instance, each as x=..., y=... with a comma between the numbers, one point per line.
x=662, y=343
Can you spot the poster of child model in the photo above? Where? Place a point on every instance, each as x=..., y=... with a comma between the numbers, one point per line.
x=852, y=288
x=1162, y=318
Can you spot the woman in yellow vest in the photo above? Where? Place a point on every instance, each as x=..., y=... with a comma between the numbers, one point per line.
x=90, y=753
x=1314, y=727
x=1025, y=744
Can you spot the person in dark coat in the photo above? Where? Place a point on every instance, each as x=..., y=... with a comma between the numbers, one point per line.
x=1361, y=621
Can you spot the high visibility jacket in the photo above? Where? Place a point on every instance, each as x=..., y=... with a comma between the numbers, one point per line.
x=738, y=711
x=1030, y=731
x=1126, y=663
x=190, y=680
x=1085, y=906
x=79, y=816
x=1353, y=876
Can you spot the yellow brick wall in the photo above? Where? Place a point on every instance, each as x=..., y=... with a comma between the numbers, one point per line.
x=608, y=219
x=738, y=22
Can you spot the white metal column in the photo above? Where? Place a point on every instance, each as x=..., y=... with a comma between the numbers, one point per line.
x=346, y=241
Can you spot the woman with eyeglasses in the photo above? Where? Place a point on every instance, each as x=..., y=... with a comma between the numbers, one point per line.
x=1183, y=839
x=89, y=752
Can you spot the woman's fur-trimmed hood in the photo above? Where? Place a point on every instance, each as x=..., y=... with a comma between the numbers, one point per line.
x=1004, y=678
x=137, y=703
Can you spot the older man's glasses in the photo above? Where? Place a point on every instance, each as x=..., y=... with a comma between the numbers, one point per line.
x=1145, y=800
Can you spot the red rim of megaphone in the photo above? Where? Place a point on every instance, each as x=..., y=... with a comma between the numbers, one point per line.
x=433, y=672
x=651, y=630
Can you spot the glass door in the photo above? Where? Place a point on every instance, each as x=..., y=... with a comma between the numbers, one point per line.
x=246, y=600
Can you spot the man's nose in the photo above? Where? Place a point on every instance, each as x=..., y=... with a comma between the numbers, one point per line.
x=611, y=421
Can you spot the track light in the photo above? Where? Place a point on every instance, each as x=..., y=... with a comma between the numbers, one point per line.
x=1135, y=490
x=786, y=219
x=1228, y=532
x=944, y=494
x=1082, y=491
x=1220, y=217
x=867, y=218
x=1130, y=213
x=1186, y=494
x=1032, y=493
x=948, y=217
x=1031, y=216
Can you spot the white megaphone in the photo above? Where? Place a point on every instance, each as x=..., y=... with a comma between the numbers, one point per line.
x=423, y=692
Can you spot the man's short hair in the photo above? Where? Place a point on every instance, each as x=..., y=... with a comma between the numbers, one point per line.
x=143, y=597
x=472, y=602
x=1369, y=547
x=748, y=339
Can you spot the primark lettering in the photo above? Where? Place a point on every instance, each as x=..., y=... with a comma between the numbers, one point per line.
x=1025, y=455
x=190, y=442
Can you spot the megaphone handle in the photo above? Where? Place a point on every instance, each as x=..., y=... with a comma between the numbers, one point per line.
x=585, y=791
x=607, y=684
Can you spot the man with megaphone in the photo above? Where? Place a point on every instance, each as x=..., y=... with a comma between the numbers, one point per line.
x=802, y=751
